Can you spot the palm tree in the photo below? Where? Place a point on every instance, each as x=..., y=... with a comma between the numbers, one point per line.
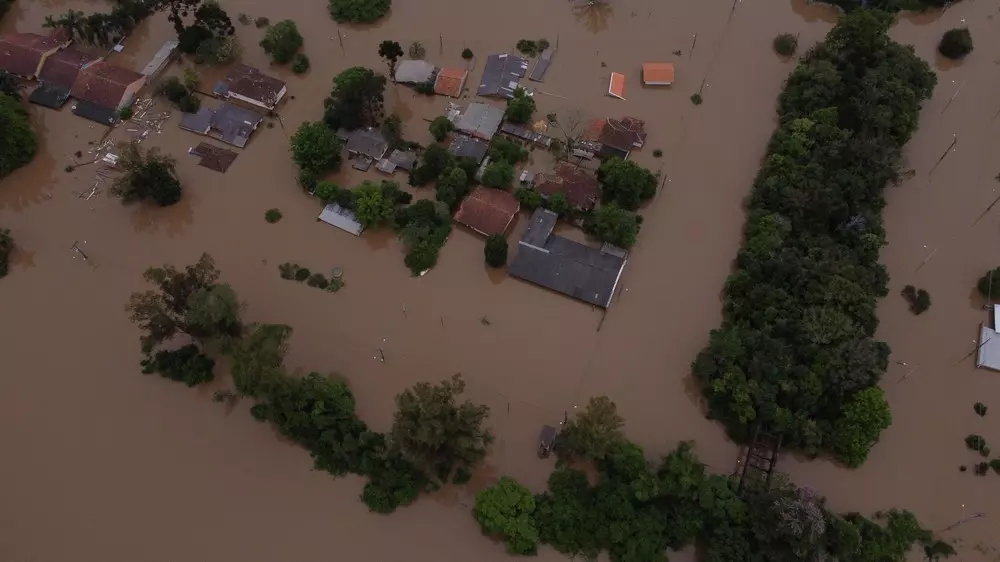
x=72, y=22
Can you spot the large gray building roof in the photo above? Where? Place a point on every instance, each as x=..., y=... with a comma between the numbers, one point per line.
x=480, y=120
x=568, y=267
x=462, y=145
x=501, y=75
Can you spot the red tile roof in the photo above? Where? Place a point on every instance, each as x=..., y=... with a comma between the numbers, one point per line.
x=625, y=134
x=104, y=84
x=20, y=53
x=578, y=185
x=488, y=211
x=62, y=68
x=450, y=82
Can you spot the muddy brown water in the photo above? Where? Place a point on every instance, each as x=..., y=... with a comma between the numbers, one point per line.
x=101, y=463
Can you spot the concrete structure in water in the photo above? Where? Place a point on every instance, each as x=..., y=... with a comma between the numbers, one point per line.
x=567, y=267
x=988, y=352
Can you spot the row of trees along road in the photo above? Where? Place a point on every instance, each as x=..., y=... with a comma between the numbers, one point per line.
x=635, y=512
x=795, y=351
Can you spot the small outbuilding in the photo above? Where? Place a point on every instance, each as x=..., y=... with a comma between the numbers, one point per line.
x=616, y=86
x=480, y=120
x=658, y=73
x=450, y=82
x=160, y=60
x=335, y=215
x=488, y=211
x=414, y=72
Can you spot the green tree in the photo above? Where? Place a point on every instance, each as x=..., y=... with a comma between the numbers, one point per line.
x=521, y=107
x=496, y=250
x=451, y=187
x=187, y=364
x=315, y=149
x=956, y=43
x=6, y=246
x=593, y=433
x=300, y=63
x=356, y=99
x=528, y=197
x=498, y=175
x=989, y=284
x=392, y=130
x=282, y=40
x=626, y=183
x=435, y=433
x=610, y=223
x=189, y=301
x=505, y=510
x=372, y=206
x=440, y=127
x=17, y=139
x=558, y=204
x=359, y=11
x=258, y=358
x=390, y=51
x=146, y=175
x=785, y=44
x=504, y=150
x=861, y=421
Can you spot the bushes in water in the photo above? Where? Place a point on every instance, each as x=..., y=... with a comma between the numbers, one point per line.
x=786, y=44
x=919, y=300
x=956, y=43
x=6, y=245
x=980, y=408
x=359, y=11
x=294, y=272
x=989, y=284
x=300, y=64
x=272, y=215
x=810, y=258
x=174, y=90
x=424, y=227
x=187, y=364
x=496, y=250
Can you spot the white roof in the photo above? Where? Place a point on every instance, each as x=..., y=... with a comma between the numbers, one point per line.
x=414, y=71
x=988, y=352
x=335, y=215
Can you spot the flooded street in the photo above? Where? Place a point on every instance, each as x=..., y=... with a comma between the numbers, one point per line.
x=103, y=464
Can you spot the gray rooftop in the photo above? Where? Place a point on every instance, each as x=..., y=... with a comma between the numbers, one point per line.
x=199, y=122
x=480, y=120
x=538, y=73
x=562, y=265
x=335, y=215
x=368, y=142
x=415, y=71
x=235, y=124
x=501, y=75
x=462, y=145
x=404, y=159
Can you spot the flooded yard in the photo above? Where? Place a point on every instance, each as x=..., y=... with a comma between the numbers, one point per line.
x=101, y=463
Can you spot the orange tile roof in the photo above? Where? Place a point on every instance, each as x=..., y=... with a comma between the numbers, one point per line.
x=104, y=84
x=20, y=53
x=450, y=82
x=658, y=73
x=616, y=87
x=488, y=211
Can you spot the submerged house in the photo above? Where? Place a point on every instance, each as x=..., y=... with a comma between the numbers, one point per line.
x=579, y=186
x=450, y=82
x=366, y=146
x=479, y=120
x=335, y=215
x=58, y=75
x=228, y=123
x=488, y=211
x=160, y=60
x=988, y=352
x=415, y=72
x=24, y=54
x=467, y=147
x=101, y=90
x=562, y=265
x=249, y=85
x=615, y=137
x=502, y=75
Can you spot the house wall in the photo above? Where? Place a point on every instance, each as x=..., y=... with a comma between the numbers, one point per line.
x=129, y=96
x=248, y=100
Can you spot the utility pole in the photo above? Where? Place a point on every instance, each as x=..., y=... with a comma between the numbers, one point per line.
x=76, y=248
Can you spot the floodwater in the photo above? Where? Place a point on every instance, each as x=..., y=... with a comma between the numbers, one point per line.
x=101, y=463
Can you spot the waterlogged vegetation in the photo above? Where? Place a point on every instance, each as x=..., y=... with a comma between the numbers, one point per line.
x=795, y=352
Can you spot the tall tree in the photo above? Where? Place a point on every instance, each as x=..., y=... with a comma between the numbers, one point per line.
x=282, y=40
x=373, y=205
x=258, y=359
x=626, y=183
x=505, y=510
x=315, y=149
x=189, y=301
x=592, y=433
x=390, y=51
x=17, y=139
x=436, y=433
x=356, y=99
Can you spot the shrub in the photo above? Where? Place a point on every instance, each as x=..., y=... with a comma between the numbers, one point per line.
x=219, y=51
x=995, y=465
x=696, y=99
x=146, y=175
x=462, y=475
x=527, y=47
x=282, y=40
x=498, y=175
x=614, y=225
x=496, y=250
x=919, y=300
x=956, y=43
x=359, y=11
x=18, y=144
x=528, y=197
x=989, y=284
x=317, y=280
x=287, y=270
x=417, y=51
x=187, y=364
x=272, y=215
x=300, y=64
x=559, y=205
x=301, y=274
x=125, y=113
x=6, y=245
x=981, y=468
x=980, y=408
x=626, y=183
x=657, y=153
x=505, y=510
x=975, y=442
x=440, y=127
x=189, y=104
x=786, y=44
x=467, y=53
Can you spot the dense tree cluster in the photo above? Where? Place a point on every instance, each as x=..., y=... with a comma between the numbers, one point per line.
x=610, y=223
x=359, y=11
x=639, y=510
x=180, y=94
x=187, y=364
x=146, y=175
x=626, y=183
x=6, y=246
x=956, y=43
x=495, y=250
x=18, y=144
x=356, y=99
x=423, y=227
x=440, y=127
x=795, y=348
x=316, y=151
x=521, y=107
x=891, y=5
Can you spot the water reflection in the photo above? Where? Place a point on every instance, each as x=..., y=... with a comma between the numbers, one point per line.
x=594, y=14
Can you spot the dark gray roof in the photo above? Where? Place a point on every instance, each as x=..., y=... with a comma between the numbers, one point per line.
x=403, y=159
x=480, y=120
x=368, y=142
x=501, y=75
x=199, y=122
x=562, y=265
x=538, y=73
x=235, y=124
x=95, y=113
x=462, y=145
x=49, y=95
